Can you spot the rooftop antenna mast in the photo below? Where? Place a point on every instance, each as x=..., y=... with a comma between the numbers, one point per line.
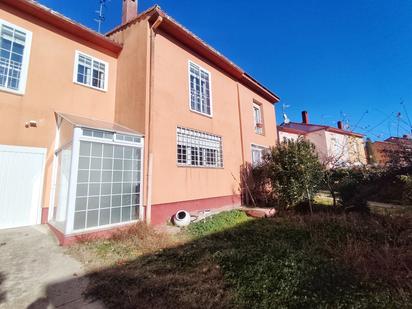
x=407, y=115
x=286, y=119
x=398, y=116
x=100, y=14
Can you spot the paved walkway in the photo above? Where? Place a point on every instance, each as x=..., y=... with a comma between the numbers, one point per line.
x=36, y=273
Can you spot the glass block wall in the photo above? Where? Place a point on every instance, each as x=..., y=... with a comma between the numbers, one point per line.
x=108, y=184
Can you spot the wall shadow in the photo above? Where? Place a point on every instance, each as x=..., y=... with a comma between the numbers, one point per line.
x=2, y=293
x=268, y=263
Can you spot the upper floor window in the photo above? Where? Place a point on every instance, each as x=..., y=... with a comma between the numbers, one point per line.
x=200, y=93
x=90, y=71
x=257, y=118
x=195, y=148
x=15, y=45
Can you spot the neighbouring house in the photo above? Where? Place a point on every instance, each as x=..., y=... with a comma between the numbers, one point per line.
x=335, y=146
x=392, y=151
x=101, y=131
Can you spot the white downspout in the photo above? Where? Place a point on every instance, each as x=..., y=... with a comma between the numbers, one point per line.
x=148, y=133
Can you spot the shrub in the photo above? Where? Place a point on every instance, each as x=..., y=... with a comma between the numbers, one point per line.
x=256, y=187
x=294, y=171
x=357, y=186
x=407, y=192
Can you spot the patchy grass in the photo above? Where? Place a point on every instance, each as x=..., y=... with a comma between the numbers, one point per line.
x=323, y=200
x=292, y=261
x=396, y=210
x=125, y=245
x=217, y=223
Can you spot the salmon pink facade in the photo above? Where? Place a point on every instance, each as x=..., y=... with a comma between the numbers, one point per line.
x=134, y=125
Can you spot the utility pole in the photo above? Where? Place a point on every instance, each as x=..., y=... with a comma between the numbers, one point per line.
x=100, y=14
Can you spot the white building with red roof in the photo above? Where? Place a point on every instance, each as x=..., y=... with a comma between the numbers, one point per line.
x=335, y=146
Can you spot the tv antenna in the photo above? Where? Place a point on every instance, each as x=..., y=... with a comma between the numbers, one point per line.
x=286, y=119
x=100, y=14
x=407, y=115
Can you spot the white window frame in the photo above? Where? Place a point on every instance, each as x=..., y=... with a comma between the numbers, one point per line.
x=255, y=121
x=25, y=60
x=190, y=90
x=76, y=68
x=261, y=148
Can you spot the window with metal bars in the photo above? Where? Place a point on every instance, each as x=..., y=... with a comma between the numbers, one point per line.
x=200, y=98
x=200, y=149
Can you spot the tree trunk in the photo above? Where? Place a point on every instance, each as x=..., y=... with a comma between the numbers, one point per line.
x=309, y=200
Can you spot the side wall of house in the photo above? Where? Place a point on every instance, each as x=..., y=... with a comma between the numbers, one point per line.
x=50, y=88
x=286, y=135
x=321, y=143
x=193, y=188
x=133, y=71
x=269, y=136
x=357, y=152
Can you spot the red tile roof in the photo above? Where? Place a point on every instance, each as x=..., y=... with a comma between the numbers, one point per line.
x=183, y=35
x=303, y=129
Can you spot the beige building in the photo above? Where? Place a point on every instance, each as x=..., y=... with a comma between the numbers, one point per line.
x=336, y=147
x=100, y=131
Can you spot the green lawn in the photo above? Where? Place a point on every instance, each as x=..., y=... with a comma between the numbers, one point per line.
x=232, y=261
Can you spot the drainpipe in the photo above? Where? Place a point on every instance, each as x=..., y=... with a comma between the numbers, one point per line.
x=156, y=24
x=240, y=124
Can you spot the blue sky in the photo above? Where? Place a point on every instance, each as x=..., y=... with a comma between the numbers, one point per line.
x=348, y=60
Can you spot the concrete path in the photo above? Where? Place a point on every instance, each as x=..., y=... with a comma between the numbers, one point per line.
x=36, y=273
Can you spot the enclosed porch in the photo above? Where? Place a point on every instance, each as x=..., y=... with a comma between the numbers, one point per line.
x=98, y=176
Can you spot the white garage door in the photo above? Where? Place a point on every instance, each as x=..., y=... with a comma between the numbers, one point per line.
x=21, y=185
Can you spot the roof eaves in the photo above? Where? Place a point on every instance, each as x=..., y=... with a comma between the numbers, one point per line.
x=174, y=28
x=344, y=132
x=64, y=23
x=291, y=130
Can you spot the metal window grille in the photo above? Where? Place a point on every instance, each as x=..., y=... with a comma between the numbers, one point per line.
x=196, y=148
x=199, y=90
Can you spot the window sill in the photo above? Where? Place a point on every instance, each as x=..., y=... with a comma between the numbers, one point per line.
x=200, y=167
x=202, y=114
x=11, y=91
x=90, y=87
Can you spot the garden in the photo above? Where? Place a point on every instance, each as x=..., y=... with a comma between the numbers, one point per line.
x=312, y=254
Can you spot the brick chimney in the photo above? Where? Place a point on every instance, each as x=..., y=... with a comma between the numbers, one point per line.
x=340, y=125
x=305, y=117
x=129, y=10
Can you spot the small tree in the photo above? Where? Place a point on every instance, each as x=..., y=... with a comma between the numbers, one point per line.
x=295, y=172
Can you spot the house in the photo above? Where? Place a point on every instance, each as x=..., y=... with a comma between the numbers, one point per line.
x=393, y=150
x=101, y=131
x=335, y=146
